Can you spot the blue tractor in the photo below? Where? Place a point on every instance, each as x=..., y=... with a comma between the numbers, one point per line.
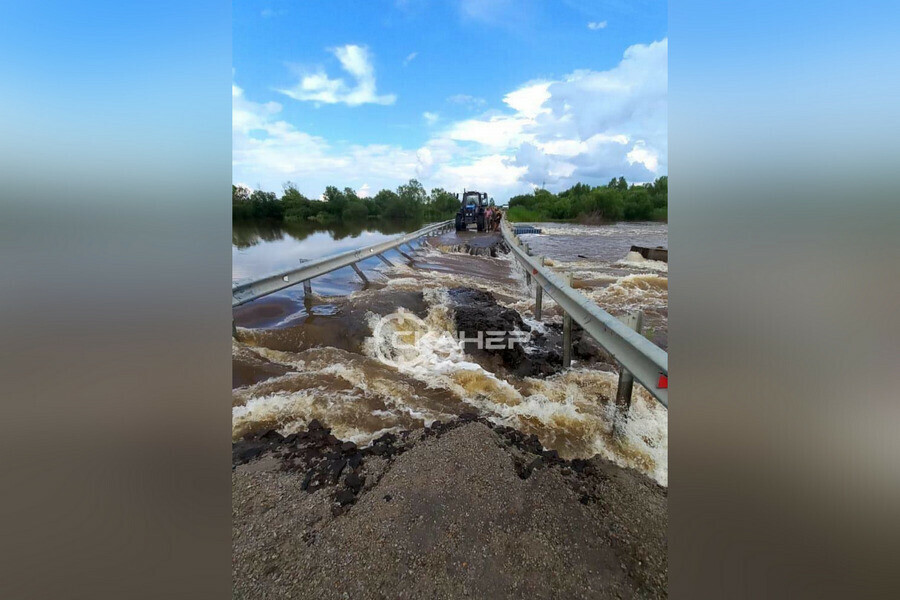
x=471, y=211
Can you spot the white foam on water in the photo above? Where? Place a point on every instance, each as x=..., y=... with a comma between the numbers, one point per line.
x=578, y=402
x=333, y=386
x=402, y=282
x=624, y=230
x=639, y=290
x=345, y=411
x=571, y=409
x=287, y=359
x=635, y=260
x=595, y=276
x=274, y=410
x=362, y=397
x=564, y=230
x=405, y=277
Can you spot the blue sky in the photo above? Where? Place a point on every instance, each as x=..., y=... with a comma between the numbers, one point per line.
x=498, y=95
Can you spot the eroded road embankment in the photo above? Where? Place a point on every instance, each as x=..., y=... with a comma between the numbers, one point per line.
x=347, y=484
x=455, y=510
x=333, y=358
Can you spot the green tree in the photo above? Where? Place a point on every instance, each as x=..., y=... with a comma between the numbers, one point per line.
x=442, y=204
x=413, y=192
x=239, y=194
x=412, y=199
x=608, y=203
x=350, y=194
x=241, y=208
x=638, y=205
x=265, y=205
x=355, y=210
x=388, y=204
x=335, y=201
x=297, y=207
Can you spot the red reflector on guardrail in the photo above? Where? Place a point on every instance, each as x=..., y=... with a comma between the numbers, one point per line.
x=663, y=382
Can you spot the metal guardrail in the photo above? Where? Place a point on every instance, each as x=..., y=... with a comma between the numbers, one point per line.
x=249, y=291
x=644, y=359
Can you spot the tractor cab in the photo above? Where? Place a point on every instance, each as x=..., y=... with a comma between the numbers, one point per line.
x=471, y=211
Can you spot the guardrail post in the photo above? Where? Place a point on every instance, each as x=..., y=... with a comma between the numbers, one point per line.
x=385, y=261
x=360, y=273
x=233, y=330
x=404, y=254
x=647, y=362
x=567, y=333
x=635, y=320
x=307, y=287
x=538, y=297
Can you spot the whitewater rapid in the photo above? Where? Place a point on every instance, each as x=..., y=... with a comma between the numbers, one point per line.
x=361, y=395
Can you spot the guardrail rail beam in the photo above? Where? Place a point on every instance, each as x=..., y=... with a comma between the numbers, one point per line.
x=253, y=290
x=647, y=362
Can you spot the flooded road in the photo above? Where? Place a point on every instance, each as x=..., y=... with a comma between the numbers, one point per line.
x=603, y=268
x=321, y=357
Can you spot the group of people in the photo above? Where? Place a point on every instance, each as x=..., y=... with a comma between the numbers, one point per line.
x=492, y=217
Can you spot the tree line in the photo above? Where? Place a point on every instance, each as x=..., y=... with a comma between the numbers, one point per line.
x=409, y=202
x=616, y=201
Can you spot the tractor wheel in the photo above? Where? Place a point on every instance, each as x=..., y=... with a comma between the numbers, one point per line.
x=460, y=225
x=480, y=223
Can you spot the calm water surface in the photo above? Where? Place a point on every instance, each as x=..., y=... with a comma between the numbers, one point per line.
x=261, y=248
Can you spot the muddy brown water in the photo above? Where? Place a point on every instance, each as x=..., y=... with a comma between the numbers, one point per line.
x=302, y=358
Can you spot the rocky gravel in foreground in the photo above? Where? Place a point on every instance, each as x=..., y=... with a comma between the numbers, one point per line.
x=464, y=509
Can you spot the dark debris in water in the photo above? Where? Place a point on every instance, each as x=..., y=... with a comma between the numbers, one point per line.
x=477, y=312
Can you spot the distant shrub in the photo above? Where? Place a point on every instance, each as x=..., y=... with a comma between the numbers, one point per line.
x=520, y=213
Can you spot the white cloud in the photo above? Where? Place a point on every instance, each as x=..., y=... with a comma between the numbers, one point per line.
x=430, y=117
x=409, y=58
x=643, y=155
x=497, y=132
x=426, y=160
x=318, y=87
x=364, y=191
x=563, y=147
x=616, y=118
x=595, y=25
x=529, y=100
x=466, y=100
x=587, y=126
x=494, y=174
x=268, y=150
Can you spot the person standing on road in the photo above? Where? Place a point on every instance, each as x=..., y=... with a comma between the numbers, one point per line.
x=488, y=216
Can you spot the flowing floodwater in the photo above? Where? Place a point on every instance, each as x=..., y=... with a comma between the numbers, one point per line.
x=605, y=270
x=302, y=358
